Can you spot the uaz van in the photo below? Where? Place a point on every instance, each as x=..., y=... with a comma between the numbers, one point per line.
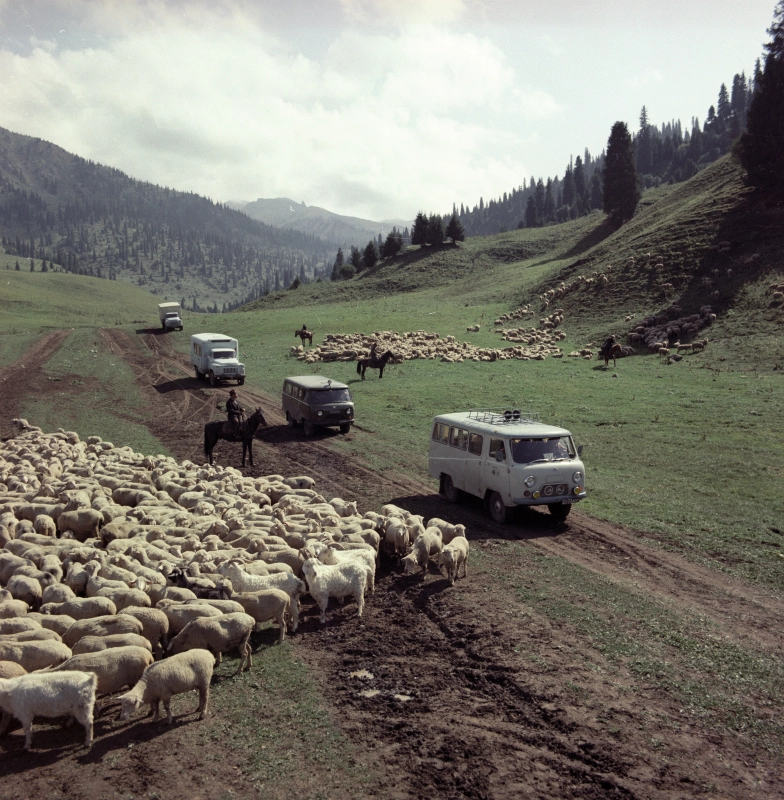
x=508, y=459
x=316, y=401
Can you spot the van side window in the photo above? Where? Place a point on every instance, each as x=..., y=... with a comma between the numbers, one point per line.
x=286, y=388
x=475, y=444
x=496, y=444
x=441, y=433
x=458, y=438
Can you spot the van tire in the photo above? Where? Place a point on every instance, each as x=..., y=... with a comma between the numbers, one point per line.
x=498, y=511
x=213, y=379
x=345, y=427
x=240, y=381
x=309, y=428
x=290, y=421
x=448, y=489
x=559, y=511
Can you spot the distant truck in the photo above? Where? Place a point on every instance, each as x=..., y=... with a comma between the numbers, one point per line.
x=171, y=316
x=214, y=356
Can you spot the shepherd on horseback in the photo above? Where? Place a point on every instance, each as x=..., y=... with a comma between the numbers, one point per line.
x=607, y=346
x=304, y=334
x=236, y=413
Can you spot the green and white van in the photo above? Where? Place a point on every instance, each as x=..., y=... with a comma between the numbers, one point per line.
x=508, y=458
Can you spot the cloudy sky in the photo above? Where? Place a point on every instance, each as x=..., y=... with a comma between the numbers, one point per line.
x=375, y=108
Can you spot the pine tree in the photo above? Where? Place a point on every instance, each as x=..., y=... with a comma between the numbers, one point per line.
x=435, y=230
x=579, y=183
x=454, y=229
x=723, y=107
x=548, y=214
x=568, y=185
x=621, y=184
x=337, y=264
x=644, y=149
x=392, y=245
x=531, y=217
x=761, y=149
x=355, y=258
x=370, y=255
x=419, y=231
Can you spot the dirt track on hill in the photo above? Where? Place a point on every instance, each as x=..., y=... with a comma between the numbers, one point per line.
x=469, y=697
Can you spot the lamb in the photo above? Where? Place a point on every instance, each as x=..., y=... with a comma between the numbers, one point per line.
x=335, y=580
x=115, y=668
x=218, y=635
x=177, y=674
x=452, y=556
x=425, y=545
x=34, y=655
x=101, y=626
x=94, y=644
x=48, y=695
x=267, y=604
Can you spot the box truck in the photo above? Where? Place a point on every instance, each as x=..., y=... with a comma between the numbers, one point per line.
x=171, y=316
x=214, y=356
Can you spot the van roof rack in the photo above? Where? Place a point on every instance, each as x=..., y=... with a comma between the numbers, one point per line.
x=503, y=416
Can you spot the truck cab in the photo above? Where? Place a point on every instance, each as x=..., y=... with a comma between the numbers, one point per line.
x=508, y=458
x=214, y=356
x=170, y=315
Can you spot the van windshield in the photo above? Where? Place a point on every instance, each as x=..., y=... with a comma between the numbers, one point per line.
x=223, y=354
x=556, y=448
x=320, y=397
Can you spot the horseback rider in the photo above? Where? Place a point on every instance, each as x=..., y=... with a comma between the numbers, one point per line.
x=373, y=351
x=235, y=411
x=607, y=346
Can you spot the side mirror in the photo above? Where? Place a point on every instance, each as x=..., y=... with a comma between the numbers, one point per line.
x=580, y=451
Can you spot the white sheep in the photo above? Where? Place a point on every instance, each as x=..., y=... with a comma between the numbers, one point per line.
x=452, y=556
x=34, y=655
x=178, y=674
x=428, y=543
x=48, y=695
x=448, y=531
x=116, y=667
x=101, y=626
x=335, y=580
x=94, y=644
x=330, y=554
x=82, y=608
x=267, y=604
x=155, y=626
x=218, y=634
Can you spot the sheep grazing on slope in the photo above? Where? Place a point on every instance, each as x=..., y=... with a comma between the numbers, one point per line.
x=218, y=634
x=115, y=668
x=335, y=580
x=178, y=674
x=452, y=556
x=48, y=695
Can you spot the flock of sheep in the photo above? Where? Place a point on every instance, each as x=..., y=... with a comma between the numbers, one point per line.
x=423, y=344
x=130, y=572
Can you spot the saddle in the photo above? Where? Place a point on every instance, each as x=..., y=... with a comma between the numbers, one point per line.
x=232, y=431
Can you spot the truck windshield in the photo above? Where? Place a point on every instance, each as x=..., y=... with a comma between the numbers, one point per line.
x=556, y=448
x=223, y=354
x=320, y=397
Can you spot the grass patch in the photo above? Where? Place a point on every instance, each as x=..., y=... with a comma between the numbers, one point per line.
x=277, y=722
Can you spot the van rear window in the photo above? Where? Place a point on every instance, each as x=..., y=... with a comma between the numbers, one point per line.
x=441, y=433
x=475, y=444
x=458, y=438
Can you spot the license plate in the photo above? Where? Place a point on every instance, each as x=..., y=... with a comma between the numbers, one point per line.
x=569, y=501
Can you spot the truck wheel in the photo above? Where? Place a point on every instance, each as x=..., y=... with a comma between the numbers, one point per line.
x=559, y=511
x=240, y=381
x=198, y=374
x=345, y=427
x=498, y=511
x=213, y=379
x=450, y=492
x=309, y=428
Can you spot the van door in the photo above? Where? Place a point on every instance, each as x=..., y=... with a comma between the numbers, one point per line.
x=472, y=465
x=495, y=473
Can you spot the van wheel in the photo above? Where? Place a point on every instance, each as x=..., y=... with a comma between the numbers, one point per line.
x=309, y=428
x=290, y=421
x=448, y=488
x=240, y=381
x=559, y=511
x=498, y=511
x=213, y=379
x=345, y=427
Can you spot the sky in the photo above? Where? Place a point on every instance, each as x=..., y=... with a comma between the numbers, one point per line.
x=371, y=108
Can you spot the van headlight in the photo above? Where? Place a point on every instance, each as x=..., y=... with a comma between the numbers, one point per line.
x=577, y=477
x=529, y=481
x=320, y=414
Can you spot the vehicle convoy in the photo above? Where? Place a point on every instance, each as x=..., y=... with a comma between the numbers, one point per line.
x=317, y=402
x=171, y=316
x=509, y=459
x=214, y=356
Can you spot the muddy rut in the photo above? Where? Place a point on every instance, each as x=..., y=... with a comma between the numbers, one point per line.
x=450, y=692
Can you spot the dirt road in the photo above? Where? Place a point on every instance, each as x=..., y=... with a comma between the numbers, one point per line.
x=471, y=695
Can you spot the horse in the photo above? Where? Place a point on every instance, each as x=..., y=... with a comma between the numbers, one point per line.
x=304, y=334
x=612, y=352
x=379, y=362
x=213, y=431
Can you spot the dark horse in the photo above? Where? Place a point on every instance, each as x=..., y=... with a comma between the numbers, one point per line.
x=304, y=334
x=213, y=431
x=379, y=362
x=612, y=352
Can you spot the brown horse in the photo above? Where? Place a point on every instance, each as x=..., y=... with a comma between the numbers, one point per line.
x=379, y=362
x=304, y=334
x=612, y=352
